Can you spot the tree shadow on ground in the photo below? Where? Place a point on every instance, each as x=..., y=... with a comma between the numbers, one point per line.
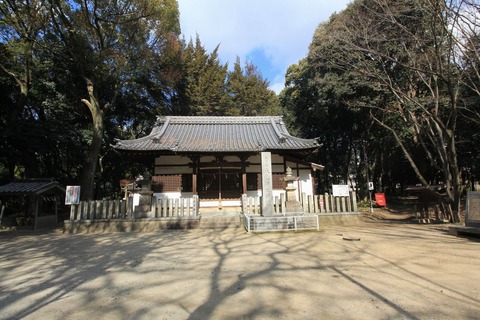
x=204, y=274
x=40, y=268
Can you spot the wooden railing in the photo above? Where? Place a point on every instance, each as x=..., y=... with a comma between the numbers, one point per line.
x=319, y=204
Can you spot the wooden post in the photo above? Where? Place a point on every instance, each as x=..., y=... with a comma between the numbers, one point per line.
x=98, y=210
x=79, y=210
x=123, y=209
x=165, y=208
x=177, y=207
x=282, y=202
x=182, y=207
x=116, y=209
x=315, y=203
x=110, y=209
x=327, y=203
x=72, y=211
x=170, y=207
x=321, y=203
x=353, y=196
x=304, y=202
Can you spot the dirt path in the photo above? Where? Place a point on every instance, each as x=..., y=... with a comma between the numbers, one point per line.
x=396, y=271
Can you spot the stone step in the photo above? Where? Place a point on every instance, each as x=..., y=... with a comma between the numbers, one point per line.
x=219, y=222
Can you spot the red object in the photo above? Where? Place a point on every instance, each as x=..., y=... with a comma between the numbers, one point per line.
x=380, y=199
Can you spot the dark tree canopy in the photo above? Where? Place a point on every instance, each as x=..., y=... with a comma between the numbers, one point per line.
x=75, y=75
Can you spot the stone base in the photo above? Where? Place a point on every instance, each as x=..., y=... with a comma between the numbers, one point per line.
x=142, y=225
x=143, y=214
x=463, y=230
x=142, y=208
x=293, y=207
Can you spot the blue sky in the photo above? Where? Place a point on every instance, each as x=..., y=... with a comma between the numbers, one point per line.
x=272, y=34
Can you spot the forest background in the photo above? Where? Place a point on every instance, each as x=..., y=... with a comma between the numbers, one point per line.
x=389, y=87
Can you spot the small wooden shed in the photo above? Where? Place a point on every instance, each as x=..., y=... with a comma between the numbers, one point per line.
x=35, y=192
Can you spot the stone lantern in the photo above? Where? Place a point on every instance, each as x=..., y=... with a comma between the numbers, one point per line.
x=144, y=182
x=292, y=204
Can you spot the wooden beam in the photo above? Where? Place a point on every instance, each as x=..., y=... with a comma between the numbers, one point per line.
x=236, y=164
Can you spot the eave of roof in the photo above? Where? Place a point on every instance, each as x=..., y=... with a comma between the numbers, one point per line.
x=31, y=186
x=218, y=134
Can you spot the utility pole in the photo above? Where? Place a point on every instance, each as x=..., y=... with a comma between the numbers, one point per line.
x=369, y=183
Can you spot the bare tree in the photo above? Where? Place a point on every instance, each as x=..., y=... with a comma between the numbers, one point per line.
x=415, y=51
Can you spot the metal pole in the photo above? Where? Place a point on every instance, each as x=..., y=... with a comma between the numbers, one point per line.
x=371, y=205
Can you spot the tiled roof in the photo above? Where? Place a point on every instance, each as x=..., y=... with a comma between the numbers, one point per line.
x=33, y=186
x=218, y=134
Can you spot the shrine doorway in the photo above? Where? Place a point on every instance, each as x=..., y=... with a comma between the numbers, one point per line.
x=219, y=184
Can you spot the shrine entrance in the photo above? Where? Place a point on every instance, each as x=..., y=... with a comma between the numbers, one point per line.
x=219, y=183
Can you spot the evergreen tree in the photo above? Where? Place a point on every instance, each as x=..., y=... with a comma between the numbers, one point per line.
x=249, y=92
x=205, y=80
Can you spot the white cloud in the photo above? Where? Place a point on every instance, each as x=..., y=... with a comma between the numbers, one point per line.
x=281, y=29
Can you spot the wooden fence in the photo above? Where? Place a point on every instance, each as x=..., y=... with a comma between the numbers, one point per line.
x=176, y=208
x=99, y=210
x=317, y=204
x=117, y=209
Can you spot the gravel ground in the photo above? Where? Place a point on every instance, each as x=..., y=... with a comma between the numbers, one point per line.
x=391, y=271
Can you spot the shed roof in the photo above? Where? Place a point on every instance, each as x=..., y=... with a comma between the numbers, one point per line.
x=31, y=187
x=218, y=134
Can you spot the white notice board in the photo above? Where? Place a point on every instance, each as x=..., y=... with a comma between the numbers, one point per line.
x=340, y=190
x=72, y=195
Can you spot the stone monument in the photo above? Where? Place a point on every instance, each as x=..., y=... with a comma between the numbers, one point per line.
x=267, y=190
x=472, y=216
x=292, y=205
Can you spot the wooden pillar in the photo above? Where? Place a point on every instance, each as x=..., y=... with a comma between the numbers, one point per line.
x=194, y=181
x=243, y=160
x=244, y=182
x=195, y=160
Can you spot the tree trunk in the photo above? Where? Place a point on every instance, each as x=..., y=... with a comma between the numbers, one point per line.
x=91, y=160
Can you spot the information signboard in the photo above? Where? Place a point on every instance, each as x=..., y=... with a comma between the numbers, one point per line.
x=340, y=190
x=72, y=195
